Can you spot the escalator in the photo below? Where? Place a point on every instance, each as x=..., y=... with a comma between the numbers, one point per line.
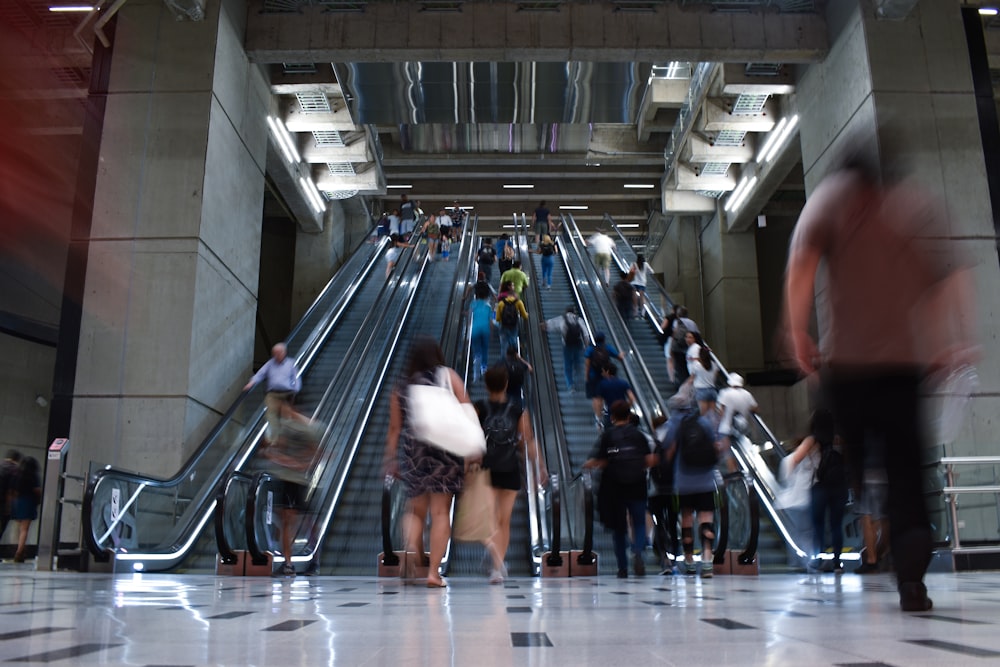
x=758, y=452
x=154, y=524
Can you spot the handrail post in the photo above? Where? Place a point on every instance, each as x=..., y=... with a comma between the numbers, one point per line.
x=952, y=499
x=389, y=556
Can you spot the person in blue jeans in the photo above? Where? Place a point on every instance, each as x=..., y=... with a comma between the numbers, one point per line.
x=571, y=327
x=624, y=454
x=482, y=329
x=548, y=250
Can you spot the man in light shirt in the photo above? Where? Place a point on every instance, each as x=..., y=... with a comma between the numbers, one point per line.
x=282, y=383
x=602, y=245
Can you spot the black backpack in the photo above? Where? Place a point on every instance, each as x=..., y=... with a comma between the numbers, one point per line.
x=487, y=255
x=548, y=249
x=627, y=452
x=509, y=315
x=600, y=357
x=696, y=446
x=515, y=373
x=500, y=429
x=831, y=471
x=678, y=344
x=663, y=472
x=573, y=332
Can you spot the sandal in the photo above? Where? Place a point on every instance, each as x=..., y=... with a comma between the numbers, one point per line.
x=440, y=583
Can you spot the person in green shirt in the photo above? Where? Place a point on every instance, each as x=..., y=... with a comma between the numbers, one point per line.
x=515, y=276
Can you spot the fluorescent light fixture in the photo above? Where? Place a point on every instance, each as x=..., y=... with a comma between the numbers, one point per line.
x=628, y=225
x=312, y=194
x=736, y=193
x=515, y=186
x=399, y=187
x=573, y=208
x=987, y=11
x=640, y=186
x=283, y=139
x=90, y=8
x=771, y=138
x=782, y=138
x=737, y=199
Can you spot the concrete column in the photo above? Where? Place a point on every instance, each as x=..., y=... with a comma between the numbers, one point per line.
x=731, y=322
x=168, y=324
x=913, y=77
x=676, y=260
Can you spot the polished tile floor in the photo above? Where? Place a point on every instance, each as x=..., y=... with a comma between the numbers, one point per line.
x=168, y=619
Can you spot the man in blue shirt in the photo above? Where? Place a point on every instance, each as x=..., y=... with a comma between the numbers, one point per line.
x=611, y=389
x=282, y=384
x=595, y=359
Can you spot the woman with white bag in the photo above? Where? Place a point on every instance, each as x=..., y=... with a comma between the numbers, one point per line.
x=431, y=475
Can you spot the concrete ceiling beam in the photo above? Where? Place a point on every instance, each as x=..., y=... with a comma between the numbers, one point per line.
x=688, y=179
x=357, y=151
x=497, y=31
x=680, y=202
x=733, y=80
x=716, y=116
x=297, y=120
x=700, y=150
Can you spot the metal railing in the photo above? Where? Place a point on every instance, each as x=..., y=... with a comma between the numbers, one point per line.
x=952, y=491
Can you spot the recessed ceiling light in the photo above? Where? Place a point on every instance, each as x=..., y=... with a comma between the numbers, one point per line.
x=518, y=187
x=640, y=186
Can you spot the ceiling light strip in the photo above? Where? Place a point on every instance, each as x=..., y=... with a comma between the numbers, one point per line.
x=639, y=186
x=284, y=141
x=772, y=137
x=516, y=186
x=312, y=194
x=786, y=132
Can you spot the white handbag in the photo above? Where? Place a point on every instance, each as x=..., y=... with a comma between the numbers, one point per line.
x=438, y=418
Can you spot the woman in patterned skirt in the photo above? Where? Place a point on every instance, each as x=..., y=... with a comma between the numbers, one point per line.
x=432, y=476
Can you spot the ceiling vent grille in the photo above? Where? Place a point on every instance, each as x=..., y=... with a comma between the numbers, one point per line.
x=315, y=102
x=340, y=168
x=339, y=194
x=762, y=69
x=730, y=138
x=343, y=6
x=552, y=6
x=713, y=194
x=747, y=105
x=282, y=6
x=298, y=68
x=328, y=138
x=715, y=168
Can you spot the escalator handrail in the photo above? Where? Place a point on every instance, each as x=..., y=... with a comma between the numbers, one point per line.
x=146, y=481
x=257, y=555
x=346, y=454
x=227, y=553
x=634, y=364
x=587, y=556
x=336, y=461
x=547, y=421
x=664, y=297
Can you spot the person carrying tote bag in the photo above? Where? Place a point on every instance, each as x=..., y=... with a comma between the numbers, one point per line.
x=431, y=476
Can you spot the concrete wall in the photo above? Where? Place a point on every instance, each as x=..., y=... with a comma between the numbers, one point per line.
x=168, y=325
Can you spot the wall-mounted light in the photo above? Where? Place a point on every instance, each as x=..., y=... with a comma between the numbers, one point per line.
x=740, y=194
x=628, y=225
x=71, y=8
x=987, y=11
x=639, y=186
x=573, y=208
x=781, y=134
x=517, y=186
x=283, y=139
x=399, y=187
x=312, y=194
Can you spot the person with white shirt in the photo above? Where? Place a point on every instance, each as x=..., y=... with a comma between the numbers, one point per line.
x=602, y=245
x=737, y=404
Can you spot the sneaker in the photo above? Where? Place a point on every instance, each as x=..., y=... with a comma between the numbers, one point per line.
x=496, y=577
x=638, y=566
x=690, y=568
x=867, y=568
x=623, y=574
x=707, y=570
x=286, y=571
